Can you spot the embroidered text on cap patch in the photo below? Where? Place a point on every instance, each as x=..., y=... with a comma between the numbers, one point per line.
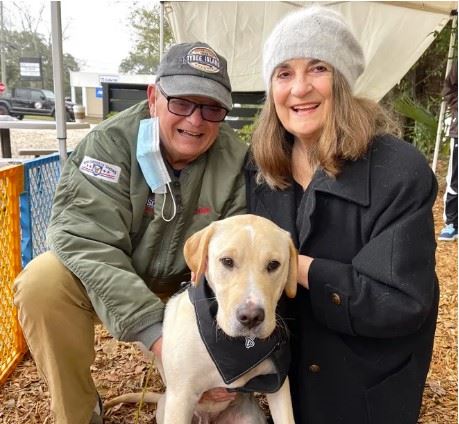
x=203, y=59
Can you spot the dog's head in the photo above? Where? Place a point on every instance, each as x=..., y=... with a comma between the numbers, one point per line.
x=248, y=261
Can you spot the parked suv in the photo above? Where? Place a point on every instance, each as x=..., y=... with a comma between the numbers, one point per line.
x=31, y=101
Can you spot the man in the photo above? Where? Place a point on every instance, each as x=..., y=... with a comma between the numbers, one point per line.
x=130, y=194
x=449, y=231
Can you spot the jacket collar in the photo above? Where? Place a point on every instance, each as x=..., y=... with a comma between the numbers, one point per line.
x=352, y=184
x=279, y=206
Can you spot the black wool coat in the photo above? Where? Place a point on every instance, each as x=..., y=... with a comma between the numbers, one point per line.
x=363, y=332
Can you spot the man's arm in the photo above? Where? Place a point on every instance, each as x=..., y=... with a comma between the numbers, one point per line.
x=90, y=232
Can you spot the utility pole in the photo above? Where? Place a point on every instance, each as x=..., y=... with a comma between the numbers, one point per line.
x=2, y=46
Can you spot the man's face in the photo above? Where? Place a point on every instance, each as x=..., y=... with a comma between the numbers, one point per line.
x=184, y=138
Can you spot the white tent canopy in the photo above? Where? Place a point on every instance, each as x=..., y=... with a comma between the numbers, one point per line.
x=393, y=35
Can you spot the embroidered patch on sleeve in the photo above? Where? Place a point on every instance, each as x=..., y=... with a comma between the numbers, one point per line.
x=98, y=169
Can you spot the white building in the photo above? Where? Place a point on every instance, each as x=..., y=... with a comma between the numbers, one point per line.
x=86, y=88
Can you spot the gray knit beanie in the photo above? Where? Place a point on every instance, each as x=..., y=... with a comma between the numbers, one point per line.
x=315, y=32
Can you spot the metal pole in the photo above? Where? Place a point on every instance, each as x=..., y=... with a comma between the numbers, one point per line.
x=58, y=77
x=452, y=40
x=5, y=142
x=2, y=47
x=161, y=30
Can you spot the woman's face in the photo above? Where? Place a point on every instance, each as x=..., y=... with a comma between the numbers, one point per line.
x=302, y=94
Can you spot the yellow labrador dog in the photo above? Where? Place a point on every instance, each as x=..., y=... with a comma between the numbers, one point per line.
x=248, y=262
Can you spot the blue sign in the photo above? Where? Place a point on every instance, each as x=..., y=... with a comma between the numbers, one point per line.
x=99, y=92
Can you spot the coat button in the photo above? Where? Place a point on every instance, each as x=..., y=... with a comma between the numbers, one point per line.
x=314, y=368
x=336, y=299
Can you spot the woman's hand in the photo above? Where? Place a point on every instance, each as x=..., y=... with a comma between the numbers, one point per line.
x=304, y=262
x=219, y=394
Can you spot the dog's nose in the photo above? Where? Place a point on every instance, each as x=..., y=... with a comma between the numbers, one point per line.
x=250, y=315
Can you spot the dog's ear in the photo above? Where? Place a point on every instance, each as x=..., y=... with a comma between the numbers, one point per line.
x=292, y=279
x=195, y=252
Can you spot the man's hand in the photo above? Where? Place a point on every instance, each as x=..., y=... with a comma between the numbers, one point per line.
x=219, y=394
x=157, y=347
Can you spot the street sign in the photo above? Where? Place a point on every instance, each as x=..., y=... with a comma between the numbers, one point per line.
x=30, y=68
x=99, y=92
x=2, y=87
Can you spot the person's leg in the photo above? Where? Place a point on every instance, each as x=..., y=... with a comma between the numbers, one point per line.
x=57, y=319
x=451, y=188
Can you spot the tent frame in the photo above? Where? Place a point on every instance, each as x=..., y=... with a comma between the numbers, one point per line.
x=58, y=78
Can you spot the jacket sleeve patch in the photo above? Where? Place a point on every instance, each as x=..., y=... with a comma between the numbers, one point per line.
x=102, y=170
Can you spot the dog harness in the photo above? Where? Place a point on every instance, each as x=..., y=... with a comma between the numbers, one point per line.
x=235, y=356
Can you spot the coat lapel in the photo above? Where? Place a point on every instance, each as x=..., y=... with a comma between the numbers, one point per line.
x=353, y=184
x=279, y=206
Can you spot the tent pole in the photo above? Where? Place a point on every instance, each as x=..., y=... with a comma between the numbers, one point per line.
x=452, y=40
x=58, y=77
x=2, y=47
x=161, y=30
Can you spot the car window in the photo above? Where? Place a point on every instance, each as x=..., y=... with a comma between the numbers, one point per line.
x=36, y=95
x=49, y=94
x=22, y=93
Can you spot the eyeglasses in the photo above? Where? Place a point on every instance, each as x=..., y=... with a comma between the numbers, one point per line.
x=183, y=107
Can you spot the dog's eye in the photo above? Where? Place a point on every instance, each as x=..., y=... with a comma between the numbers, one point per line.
x=273, y=265
x=227, y=262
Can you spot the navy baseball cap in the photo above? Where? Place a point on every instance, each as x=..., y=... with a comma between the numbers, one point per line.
x=195, y=69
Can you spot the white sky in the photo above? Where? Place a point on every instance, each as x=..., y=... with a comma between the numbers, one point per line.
x=96, y=32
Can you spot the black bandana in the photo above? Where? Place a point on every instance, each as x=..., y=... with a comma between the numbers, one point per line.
x=235, y=356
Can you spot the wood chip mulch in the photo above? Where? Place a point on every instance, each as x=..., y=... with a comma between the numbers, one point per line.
x=121, y=368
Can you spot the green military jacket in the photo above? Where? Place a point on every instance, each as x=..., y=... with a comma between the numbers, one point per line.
x=106, y=225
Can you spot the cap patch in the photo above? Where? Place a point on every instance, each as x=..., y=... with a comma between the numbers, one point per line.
x=203, y=59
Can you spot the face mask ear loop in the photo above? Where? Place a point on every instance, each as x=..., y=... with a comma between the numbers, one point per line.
x=174, y=206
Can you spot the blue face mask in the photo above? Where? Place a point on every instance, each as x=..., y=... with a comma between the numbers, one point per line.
x=149, y=155
x=152, y=163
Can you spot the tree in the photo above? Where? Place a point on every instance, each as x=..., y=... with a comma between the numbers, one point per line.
x=25, y=44
x=144, y=58
x=417, y=98
x=29, y=42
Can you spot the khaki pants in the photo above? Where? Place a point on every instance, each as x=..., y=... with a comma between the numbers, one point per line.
x=58, y=323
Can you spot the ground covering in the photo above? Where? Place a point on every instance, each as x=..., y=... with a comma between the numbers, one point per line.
x=120, y=367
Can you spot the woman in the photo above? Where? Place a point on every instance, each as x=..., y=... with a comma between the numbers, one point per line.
x=358, y=204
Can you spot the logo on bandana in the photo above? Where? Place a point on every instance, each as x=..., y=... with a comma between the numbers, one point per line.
x=203, y=59
x=249, y=342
